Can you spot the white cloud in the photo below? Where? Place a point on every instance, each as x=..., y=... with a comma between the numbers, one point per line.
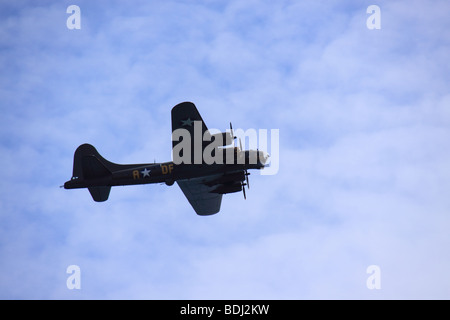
x=363, y=118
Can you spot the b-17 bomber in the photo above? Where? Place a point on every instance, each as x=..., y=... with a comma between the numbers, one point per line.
x=203, y=166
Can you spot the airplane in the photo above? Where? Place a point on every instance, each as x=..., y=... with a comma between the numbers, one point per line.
x=202, y=182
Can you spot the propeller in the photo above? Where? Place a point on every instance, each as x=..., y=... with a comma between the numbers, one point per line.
x=246, y=173
x=232, y=133
x=243, y=184
x=246, y=178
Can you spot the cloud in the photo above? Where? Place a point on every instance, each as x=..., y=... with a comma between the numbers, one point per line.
x=363, y=121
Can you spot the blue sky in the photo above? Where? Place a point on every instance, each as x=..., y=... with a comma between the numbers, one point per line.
x=364, y=124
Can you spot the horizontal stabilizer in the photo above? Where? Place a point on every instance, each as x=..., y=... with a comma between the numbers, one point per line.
x=100, y=194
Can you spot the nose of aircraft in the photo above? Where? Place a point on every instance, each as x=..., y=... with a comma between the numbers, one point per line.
x=263, y=156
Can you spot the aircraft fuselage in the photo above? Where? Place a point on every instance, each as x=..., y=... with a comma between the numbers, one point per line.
x=165, y=172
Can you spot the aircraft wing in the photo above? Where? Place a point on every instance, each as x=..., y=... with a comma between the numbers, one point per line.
x=186, y=116
x=198, y=194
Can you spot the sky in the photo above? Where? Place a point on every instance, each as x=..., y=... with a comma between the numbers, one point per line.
x=364, y=149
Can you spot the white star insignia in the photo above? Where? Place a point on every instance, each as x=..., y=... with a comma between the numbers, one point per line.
x=145, y=172
x=187, y=122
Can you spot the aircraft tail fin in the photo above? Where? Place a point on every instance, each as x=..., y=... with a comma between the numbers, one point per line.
x=88, y=164
x=93, y=168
